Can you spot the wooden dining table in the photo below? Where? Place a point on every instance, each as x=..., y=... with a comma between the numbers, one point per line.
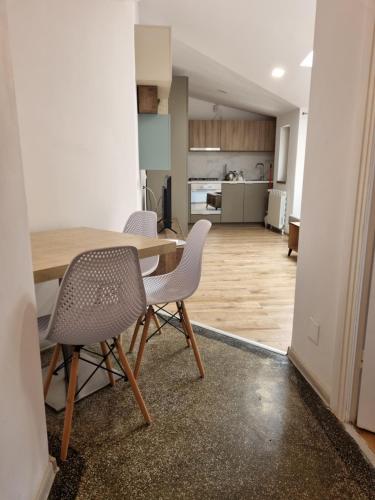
x=52, y=251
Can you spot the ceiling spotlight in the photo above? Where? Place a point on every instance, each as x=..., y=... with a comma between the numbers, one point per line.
x=308, y=61
x=278, y=72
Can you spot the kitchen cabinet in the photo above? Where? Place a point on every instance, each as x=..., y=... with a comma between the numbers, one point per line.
x=232, y=202
x=293, y=237
x=255, y=202
x=154, y=140
x=247, y=135
x=240, y=202
x=204, y=134
x=147, y=97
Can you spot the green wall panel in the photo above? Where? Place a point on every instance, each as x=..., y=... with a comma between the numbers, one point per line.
x=154, y=135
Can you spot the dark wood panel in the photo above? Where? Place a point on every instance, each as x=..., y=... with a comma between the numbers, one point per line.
x=147, y=99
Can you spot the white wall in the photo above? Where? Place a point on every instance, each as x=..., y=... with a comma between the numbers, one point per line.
x=74, y=68
x=75, y=85
x=344, y=30
x=203, y=110
x=300, y=164
x=295, y=164
x=23, y=438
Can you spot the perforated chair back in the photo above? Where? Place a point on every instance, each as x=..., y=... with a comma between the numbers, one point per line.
x=101, y=295
x=144, y=223
x=188, y=272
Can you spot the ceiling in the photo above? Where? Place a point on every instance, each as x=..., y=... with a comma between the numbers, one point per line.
x=233, y=46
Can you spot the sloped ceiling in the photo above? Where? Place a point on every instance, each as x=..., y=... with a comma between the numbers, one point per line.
x=233, y=47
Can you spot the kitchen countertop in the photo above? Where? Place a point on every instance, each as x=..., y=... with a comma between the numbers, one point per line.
x=228, y=182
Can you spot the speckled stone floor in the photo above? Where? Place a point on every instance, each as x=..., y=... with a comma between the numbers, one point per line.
x=252, y=429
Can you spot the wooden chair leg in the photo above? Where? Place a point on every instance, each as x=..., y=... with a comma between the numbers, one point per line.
x=193, y=341
x=179, y=308
x=143, y=342
x=69, y=405
x=156, y=321
x=108, y=363
x=135, y=334
x=133, y=382
x=51, y=368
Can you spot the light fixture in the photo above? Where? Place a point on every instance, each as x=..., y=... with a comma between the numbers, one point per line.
x=278, y=72
x=204, y=149
x=308, y=61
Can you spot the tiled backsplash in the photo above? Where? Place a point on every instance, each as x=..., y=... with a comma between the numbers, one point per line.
x=212, y=164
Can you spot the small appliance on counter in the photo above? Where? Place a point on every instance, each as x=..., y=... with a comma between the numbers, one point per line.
x=234, y=176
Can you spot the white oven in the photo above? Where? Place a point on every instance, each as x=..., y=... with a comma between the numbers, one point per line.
x=198, y=197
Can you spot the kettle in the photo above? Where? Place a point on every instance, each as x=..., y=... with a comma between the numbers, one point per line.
x=231, y=176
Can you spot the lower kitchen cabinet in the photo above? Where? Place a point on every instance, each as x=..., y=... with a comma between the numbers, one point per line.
x=255, y=202
x=232, y=202
x=240, y=202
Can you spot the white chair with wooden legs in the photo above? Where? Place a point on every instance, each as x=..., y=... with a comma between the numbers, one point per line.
x=176, y=286
x=101, y=295
x=144, y=223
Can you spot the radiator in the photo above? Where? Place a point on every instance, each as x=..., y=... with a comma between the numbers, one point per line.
x=276, y=209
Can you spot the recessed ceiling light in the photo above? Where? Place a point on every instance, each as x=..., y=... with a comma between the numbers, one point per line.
x=308, y=61
x=222, y=91
x=278, y=72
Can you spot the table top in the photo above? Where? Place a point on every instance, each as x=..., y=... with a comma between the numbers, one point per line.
x=52, y=251
x=295, y=223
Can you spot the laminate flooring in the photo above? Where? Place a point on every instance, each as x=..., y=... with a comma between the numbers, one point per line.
x=247, y=286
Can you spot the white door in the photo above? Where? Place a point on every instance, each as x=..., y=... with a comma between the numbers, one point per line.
x=366, y=407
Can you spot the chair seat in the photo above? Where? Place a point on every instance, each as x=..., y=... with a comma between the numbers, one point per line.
x=163, y=289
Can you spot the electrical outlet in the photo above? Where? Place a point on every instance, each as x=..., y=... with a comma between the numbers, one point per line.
x=314, y=330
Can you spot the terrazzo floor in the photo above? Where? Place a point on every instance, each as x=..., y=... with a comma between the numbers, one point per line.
x=252, y=429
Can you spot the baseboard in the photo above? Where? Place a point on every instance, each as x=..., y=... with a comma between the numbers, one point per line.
x=322, y=393
x=47, y=480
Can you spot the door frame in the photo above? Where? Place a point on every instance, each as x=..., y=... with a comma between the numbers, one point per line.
x=349, y=345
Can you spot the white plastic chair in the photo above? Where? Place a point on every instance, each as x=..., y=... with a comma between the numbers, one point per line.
x=176, y=286
x=101, y=295
x=144, y=223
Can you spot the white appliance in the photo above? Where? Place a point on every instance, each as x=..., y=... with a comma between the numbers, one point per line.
x=198, y=197
x=276, y=209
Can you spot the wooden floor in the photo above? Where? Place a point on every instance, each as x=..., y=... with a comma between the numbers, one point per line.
x=247, y=285
x=369, y=437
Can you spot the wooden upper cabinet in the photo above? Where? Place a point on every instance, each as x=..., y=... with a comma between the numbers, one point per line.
x=269, y=134
x=233, y=135
x=204, y=134
x=246, y=135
